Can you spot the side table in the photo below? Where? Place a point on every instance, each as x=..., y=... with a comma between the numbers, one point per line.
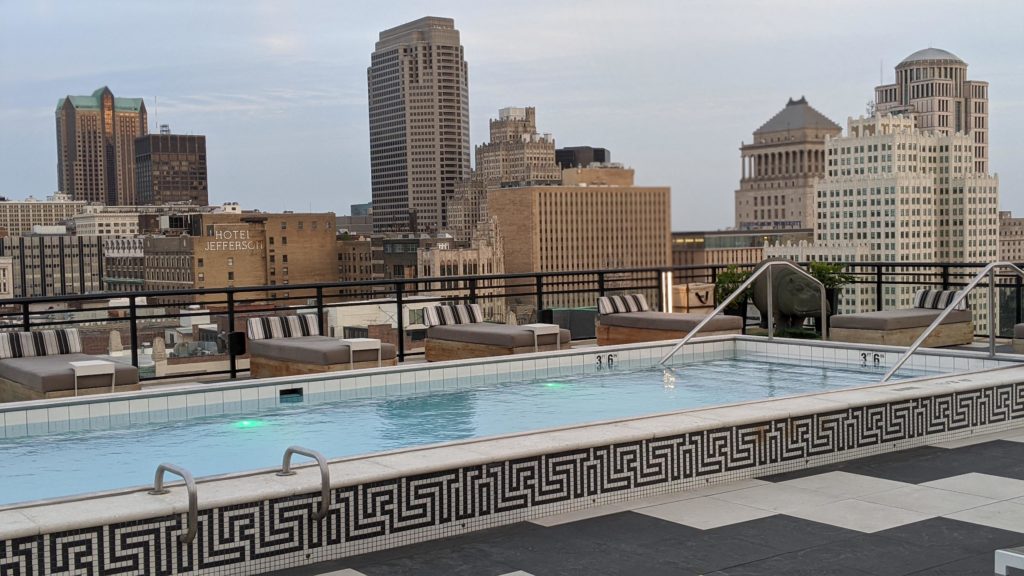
x=355, y=344
x=93, y=368
x=542, y=329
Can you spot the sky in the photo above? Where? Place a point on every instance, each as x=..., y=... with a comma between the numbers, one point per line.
x=672, y=88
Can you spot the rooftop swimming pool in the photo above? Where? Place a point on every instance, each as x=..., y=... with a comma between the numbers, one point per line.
x=371, y=418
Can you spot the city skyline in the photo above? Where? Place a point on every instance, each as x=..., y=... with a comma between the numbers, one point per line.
x=674, y=91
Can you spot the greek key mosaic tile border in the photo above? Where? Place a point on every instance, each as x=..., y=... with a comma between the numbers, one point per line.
x=281, y=533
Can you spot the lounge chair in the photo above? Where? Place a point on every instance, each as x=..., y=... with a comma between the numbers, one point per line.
x=457, y=332
x=36, y=365
x=628, y=319
x=902, y=327
x=291, y=345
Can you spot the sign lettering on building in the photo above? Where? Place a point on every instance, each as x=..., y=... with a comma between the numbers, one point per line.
x=233, y=240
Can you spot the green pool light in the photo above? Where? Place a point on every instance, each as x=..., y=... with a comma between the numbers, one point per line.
x=249, y=424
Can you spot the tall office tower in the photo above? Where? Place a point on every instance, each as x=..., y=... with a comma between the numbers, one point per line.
x=896, y=193
x=96, y=146
x=516, y=155
x=171, y=168
x=781, y=167
x=419, y=124
x=933, y=85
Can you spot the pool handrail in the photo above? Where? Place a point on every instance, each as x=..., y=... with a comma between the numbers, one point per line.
x=764, y=267
x=988, y=271
x=325, y=475
x=193, y=497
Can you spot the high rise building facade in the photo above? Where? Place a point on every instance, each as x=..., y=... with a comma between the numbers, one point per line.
x=932, y=84
x=171, y=168
x=598, y=219
x=19, y=216
x=418, y=84
x=781, y=167
x=96, y=146
x=516, y=155
x=54, y=264
x=896, y=193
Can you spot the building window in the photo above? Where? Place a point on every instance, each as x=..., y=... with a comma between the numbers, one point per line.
x=202, y=276
x=284, y=224
x=199, y=262
x=284, y=258
x=284, y=240
x=300, y=224
x=284, y=270
x=231, y=260
x=272, y=257
x=231, y=275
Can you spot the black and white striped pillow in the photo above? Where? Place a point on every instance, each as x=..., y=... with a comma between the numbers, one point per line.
x=17, y=345
x=937, y=299
x=449, y=315
x=617, y=304
x=56, y=342
x=266, y=327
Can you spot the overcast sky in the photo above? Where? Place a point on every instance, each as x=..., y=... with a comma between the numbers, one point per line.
x=671, y=88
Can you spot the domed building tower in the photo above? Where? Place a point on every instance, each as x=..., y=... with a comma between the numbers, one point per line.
x=932, y=84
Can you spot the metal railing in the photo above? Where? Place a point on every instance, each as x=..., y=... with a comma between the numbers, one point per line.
x=142, y=316
x=986, y=273
x=764, y=268
x=193, y=497
x=325, y=476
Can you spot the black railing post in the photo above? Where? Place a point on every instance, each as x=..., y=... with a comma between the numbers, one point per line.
x=1016, y=299
x=945, y=277
x=540, y=295
x=320, y=309
x=133, y=330
x=878, y=286
x=600, y=283
x=232, y=360
x=26, y=320
x=662, y=300
x=400, y=320
x=714, y=275
x=472, y=290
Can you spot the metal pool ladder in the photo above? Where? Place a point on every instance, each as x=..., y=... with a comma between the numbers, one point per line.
x=325, y=476
x=193, y=498
x=988, y=271
x=764, y=268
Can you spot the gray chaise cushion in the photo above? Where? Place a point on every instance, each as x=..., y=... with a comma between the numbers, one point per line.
x=897, y=319
x=1018, y=331
x=671, y=321
x=494, y=335
x=319, y=350
x=54, y=373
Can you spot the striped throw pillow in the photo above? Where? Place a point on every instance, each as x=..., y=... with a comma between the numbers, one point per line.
x=55, y=342
x=617, y=304
x=266, y=327
x=456, y=314
x=17, y=345
x=937, y=299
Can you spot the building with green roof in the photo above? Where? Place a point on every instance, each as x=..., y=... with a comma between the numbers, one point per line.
x=96, y=146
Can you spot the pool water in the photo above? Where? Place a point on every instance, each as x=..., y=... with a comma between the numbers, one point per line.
x=55, y=465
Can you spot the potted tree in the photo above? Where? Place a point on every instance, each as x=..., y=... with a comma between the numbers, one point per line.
x=833, y=277
x=726, y=283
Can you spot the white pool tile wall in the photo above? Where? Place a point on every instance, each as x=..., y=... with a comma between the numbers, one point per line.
x=127, y=409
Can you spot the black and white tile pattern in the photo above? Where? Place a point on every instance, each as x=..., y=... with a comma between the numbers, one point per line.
x=269, y=535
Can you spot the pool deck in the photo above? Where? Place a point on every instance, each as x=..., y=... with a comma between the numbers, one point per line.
x=941, y=509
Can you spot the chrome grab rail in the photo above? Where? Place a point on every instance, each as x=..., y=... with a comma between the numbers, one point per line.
x=765, y=267
x=988, y=271
x=325, y=475
x=193, y=498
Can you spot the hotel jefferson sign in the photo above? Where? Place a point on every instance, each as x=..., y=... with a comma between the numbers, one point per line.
x=232, y=238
